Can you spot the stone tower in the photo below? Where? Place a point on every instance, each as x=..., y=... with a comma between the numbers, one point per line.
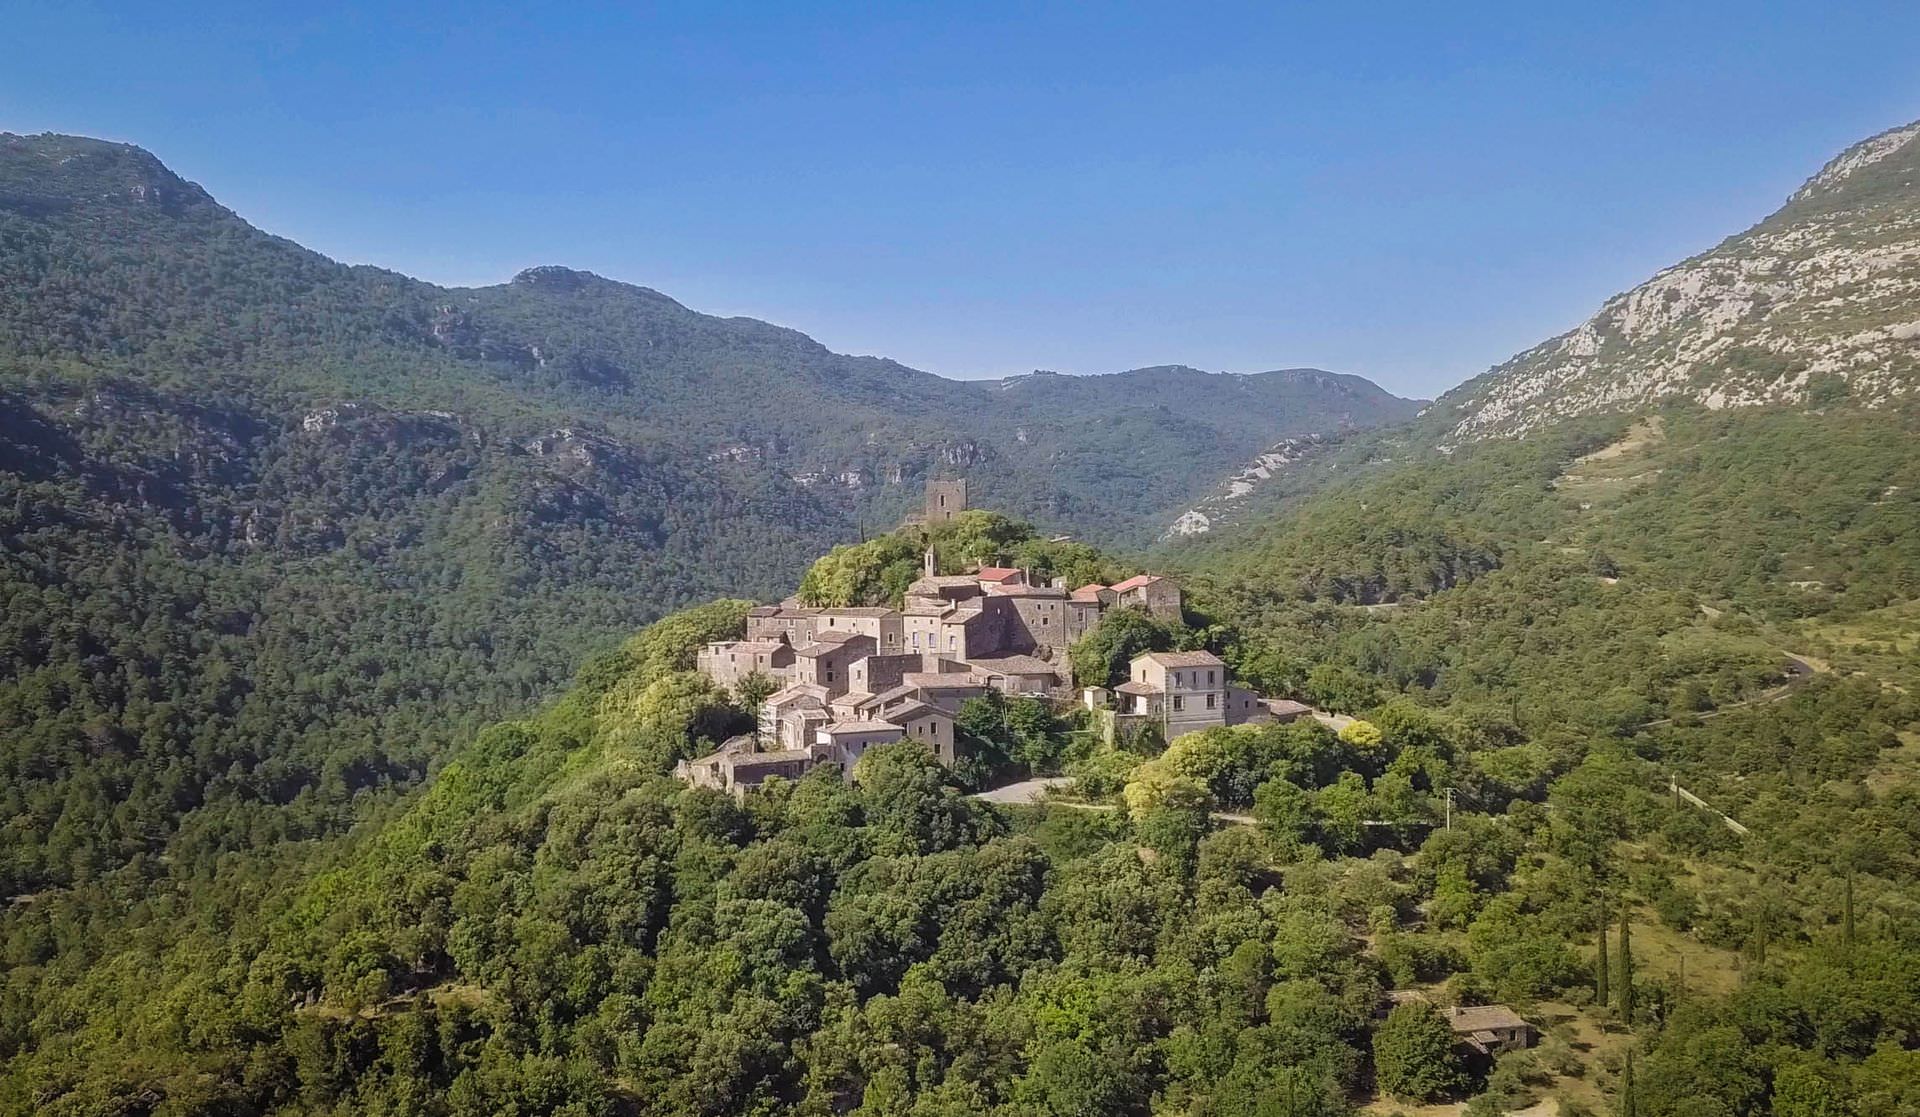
x=945, y=500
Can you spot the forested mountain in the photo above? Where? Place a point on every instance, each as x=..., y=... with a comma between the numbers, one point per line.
x=276, y=529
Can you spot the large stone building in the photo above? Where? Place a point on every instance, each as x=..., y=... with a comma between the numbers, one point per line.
x=945, y=500
x=1185, y=691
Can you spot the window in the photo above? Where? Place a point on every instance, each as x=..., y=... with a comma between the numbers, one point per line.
x=829, y=674
x=1176, y=702
x=1209, y=701
x=1209, y=677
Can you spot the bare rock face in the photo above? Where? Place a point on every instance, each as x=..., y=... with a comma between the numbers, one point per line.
x=1818, y=303
x=1226, y=503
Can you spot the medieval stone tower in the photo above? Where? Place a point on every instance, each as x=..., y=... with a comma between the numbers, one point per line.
x=945, y=500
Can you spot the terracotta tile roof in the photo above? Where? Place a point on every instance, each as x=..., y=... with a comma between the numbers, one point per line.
x=869, y=726
x=825, y=642
x=1185, y=659
x=1135, y=582
x=797, y=690
x=752, y=760
x=942, y=582
x=916, y=710
x=1089, y=592
x=749, y=646
x=858, y=611
x=1016, y=665
x=1480, y=1018
x=998, y=573
x=1024, y=590
x=1131, y=687
x=921, y=680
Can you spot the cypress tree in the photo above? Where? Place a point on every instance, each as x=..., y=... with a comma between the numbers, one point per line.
x=1625, y=975
x=1846, y=919
x=1602, y=992
x=1628, y=1103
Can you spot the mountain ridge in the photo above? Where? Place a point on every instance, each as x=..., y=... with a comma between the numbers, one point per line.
x=1815, y=302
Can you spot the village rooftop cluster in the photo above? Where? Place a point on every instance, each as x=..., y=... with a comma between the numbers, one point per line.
x=858, y=676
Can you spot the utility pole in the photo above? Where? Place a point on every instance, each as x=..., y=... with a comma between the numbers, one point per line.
x=1449, y=808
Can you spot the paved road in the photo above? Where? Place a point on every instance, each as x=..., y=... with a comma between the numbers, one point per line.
x=1798, y=671
x=1024, y=792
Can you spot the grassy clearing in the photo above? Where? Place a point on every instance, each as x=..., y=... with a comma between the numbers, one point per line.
x=1883, y=644
x=1609, y=472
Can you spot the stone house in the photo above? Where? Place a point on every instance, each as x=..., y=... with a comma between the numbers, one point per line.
x=792, y=623
x=1020, y=674
x=736, y=766
x=726, y=663
x=785, y=715
x=828, y=661
x=1489, y=1029
x=1157, y=595
x=843, y=742
x=1183, y=691
x=928, y=724
x=990, y=577
x=883, y=625
x=878, y=673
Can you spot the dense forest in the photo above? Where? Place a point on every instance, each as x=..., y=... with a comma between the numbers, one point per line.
x=1216, y=927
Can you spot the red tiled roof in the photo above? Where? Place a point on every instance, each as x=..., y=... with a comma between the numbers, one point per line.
x=1089, y=592
x=998, y=573
x=1135, y=582
x=1184, y=659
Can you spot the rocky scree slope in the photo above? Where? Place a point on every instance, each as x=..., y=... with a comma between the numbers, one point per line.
x=1819, y=303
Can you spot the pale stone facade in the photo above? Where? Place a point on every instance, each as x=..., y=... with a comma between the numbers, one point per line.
x=945, y=500
x=1185, y=691
x=853, y=677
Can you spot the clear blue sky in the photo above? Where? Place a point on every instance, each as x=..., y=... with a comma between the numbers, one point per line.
x=1407, y=191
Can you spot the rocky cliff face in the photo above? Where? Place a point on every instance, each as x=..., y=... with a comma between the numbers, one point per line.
x=1818, y=303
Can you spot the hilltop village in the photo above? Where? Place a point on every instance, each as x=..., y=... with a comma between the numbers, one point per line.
x=853, y=677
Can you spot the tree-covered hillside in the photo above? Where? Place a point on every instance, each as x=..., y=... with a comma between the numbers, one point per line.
x=275, y=530
x=552, y=927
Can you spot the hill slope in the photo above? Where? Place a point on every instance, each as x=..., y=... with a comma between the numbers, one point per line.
x=274, y=530
x=1820, y=302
